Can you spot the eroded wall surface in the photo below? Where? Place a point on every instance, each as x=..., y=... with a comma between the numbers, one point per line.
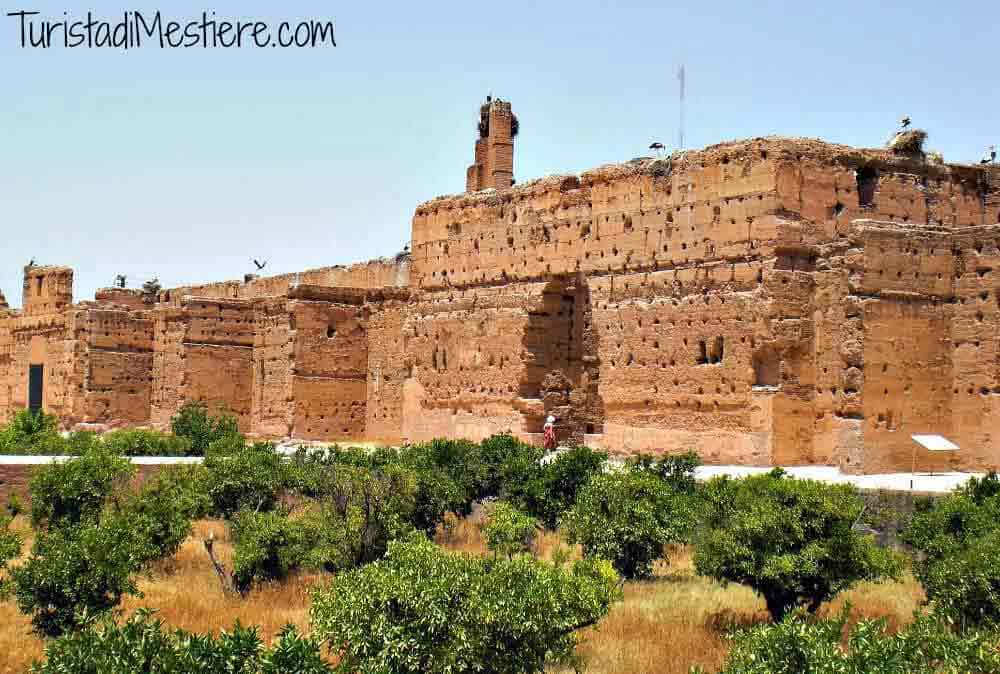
x=773, y=301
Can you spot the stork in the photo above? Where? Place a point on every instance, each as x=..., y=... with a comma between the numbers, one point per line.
x=260, y=265
x=658, y=147
x=904, y=122
x=990, y=157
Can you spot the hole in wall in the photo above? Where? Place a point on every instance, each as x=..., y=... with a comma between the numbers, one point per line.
x=867, y=184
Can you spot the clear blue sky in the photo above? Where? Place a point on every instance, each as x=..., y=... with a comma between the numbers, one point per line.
x=186, y=163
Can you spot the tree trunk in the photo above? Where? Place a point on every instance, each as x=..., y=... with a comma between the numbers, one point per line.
x=778, y=606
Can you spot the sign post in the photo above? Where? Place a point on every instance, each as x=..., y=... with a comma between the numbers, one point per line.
x=932, y=443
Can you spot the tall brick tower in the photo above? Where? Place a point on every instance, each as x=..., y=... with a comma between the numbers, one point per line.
x=494, y=161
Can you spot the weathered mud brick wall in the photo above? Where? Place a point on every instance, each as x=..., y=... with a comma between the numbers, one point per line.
x=330, y=352
x=389, y=365
x=373, y=274
x=204, y=351
x=117, y=354
x=465, y=365
x=772, y=301
x=724, y=290
x=6, y=361
x=37, y=335
x=273, y=406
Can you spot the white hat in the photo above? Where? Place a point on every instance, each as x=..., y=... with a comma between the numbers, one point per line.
x=550, y=420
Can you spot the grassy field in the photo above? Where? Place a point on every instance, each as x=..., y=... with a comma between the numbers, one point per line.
x=663, y=626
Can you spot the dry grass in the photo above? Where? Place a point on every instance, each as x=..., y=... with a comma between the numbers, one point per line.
x=664, y=625
x=187, y=594
x=678, y=619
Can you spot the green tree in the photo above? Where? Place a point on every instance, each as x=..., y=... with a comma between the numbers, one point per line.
x=78, y=569
x=10, y=549
x=423, y=610
x=506, y=465
x=145, y=442
x=64, y=493
x=792, y=541
x=200, y=428
x=26, y=430
x=268, y=547
x=965, y=585
x=144, y=644
x=508, y=531
x=553, y=488
x=956, y=539
x=628, y=516
x=252, y=477
x=162, y=511
x=799, y=646
x=677, y=470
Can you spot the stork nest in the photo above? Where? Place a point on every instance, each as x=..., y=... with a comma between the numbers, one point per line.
x=908, y=142
x=484, y=122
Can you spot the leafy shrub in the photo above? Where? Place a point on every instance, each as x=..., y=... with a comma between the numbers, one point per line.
x=555, y=485
x=796, y=645
x=268, y=547
x=70, y=491
x=361, y=510
x=251, y=478
x=313, y=473
x=627, y=517
x=508, y=531
x=790, y=540
x=374, y=507
x=73, y=569
x=507, y=466
x=145, y=442
x=677, y=470
x=948, y=525
x=460, y=460
x=965, y=585
x=10, y=549
x=162, y=511
x=200, y=428
x=421, y=609
x=76, y=443
x=25, y=430
x=956, y=540
x=143, y=644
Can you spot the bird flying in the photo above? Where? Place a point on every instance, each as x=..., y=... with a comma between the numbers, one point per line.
x=260, y=265
x=990, y=156
x=656, y=146
x=904, y=121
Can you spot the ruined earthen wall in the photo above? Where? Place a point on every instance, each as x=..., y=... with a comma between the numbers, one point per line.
x=465, y=353
x=374, y=274
x=47, y=290
x=745, y=249
x=769, y=301
x=6, y=366
x=330, y=351
x=115, y=349
x=390, y=370
x=273, y=366
x=218, y=355
x=169, y=366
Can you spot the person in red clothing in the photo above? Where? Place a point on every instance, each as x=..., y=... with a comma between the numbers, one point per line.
x=549, y=434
